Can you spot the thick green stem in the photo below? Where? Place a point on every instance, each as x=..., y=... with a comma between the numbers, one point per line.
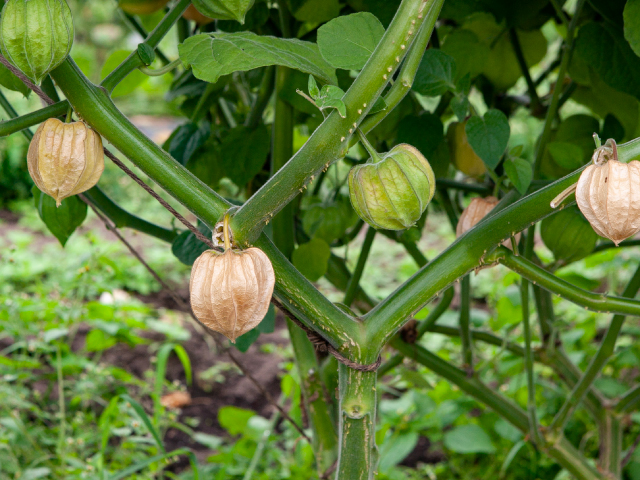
x=316, y=399
x=562, y=451
x=528, y=349
x=96, y=108
x=429, y=325
x=630, y=401
x=281, y=151
x=133, y=61
x=597, y=363
x=591, y=301
x=465, y=314
x=555, y=97
x=358, y=452
x=465, y=254
x=330, y=141
x=17, y=124
x=402, y=86
x=610, y=458
x=354, y=282
x=265, y=91
x=546, y=316
x=121, y=218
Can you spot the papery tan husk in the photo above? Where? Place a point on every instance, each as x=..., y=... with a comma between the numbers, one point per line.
x=231, y=291
x=609, y=197
x=476, y=211
x=65, y=159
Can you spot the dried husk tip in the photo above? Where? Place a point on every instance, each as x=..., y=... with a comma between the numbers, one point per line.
x=231, y=291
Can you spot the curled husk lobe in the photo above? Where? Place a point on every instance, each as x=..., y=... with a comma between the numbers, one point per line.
x=231, y=291
x=392, y=193
x=36, y=35
x=609, y=197
x=65, y=159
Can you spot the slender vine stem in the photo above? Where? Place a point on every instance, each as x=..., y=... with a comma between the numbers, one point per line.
x=158, y=72
x=265, y=91
x=629, y=401
x=136, y=26
x=354, y=282
x=466, y=253
x=605, y=351
x=17, y=124
x=402, y=86
x=517, y=48
x=7, y=107
x=316, y=401
x=591, y=301
x=555, y=97
x=465, y=332
x=562, y=450
x=330, y=141
x=427, y=325
x=133, y=61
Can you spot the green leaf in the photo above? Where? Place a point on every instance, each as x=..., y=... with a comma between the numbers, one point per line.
x=567, y=155
x=436, y=74
x=145, y=419
x=186, y=247
x=243, y=153
x=378, y=106
x=347, y=42
x=396, y=449
x=489, y=136
x=131, y=81
x=313, y=88
x=312, y=258
x=425, y=132
x=62, y=221
x=267, y=325
x=97, y=341
x=631, y=17
x=206, y=164
x=460, y=106
x=256, y=17
x=331, y=97
x=520, y=173
x=234, y=419
x=10, y=81
x=216, y=54
x=384, y=10
x=468, y=439
x=314, y=11
x=329, y=221
x=186, y=139
x=469, y=53
x=224, y=9
x=35, y=473
x=612, y=128
x=605, y=50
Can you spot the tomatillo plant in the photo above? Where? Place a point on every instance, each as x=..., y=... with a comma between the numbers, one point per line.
x=403, y=72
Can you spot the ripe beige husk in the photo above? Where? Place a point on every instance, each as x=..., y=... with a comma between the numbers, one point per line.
x=65, y=159
x=231, y=291
x=609, y=197
x=476, y=211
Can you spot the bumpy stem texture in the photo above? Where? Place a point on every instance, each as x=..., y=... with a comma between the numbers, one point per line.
x=330, y=141
x=358, y=452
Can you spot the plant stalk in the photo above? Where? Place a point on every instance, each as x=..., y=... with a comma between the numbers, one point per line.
x=354, y=282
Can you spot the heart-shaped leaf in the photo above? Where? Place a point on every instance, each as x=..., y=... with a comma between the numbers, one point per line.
x=489, y=136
